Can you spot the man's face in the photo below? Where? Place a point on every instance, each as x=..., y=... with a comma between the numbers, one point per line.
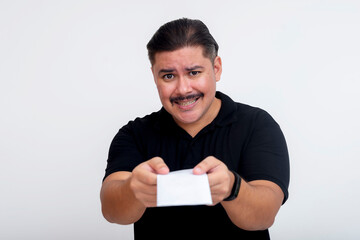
x=186, y=82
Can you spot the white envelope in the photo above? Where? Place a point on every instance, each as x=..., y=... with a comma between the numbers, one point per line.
x=183, y=188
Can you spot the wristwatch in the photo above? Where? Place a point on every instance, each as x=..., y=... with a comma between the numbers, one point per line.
x=236, y=187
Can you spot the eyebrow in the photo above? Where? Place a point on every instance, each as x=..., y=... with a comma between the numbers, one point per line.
x=189, y=69
x=194, y=68
x=170, y=70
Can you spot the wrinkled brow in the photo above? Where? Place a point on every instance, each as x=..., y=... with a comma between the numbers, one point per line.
x=194, y=68
x=171, y=70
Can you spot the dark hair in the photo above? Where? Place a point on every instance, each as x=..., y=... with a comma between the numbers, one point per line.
x=182, y=33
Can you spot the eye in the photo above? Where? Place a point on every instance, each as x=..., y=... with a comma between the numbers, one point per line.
x=168, y=76
x=194, y=73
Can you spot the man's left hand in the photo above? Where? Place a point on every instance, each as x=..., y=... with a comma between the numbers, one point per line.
x=220, y=178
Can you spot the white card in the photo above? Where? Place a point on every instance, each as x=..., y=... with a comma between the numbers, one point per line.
x=183, y=188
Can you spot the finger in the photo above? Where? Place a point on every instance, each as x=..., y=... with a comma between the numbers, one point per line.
x=144, y=188
x=147, y=171
x=206, y=165
x=144, y=175
x=213, y=181
x=215, y=199
x=147, y=200
x=219, y=190
x=220, y=176
x=221, y=184
x=158, y=165
x=150, y=190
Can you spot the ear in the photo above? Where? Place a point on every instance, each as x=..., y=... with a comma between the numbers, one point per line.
x=217, y=68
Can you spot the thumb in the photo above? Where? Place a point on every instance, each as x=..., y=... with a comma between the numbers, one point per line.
x=158, y=165
x=205, y=165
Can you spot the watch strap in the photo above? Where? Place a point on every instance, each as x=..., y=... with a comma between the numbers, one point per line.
x=236, y=187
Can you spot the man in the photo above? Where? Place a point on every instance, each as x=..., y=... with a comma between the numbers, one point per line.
x=240, y=148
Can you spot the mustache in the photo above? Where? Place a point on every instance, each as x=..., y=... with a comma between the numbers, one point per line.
x=187, y=97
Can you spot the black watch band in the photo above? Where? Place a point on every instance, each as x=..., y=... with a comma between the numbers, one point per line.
x=236, y=187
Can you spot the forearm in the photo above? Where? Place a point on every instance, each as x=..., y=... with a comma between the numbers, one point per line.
x=256, y=206
x=119, y=204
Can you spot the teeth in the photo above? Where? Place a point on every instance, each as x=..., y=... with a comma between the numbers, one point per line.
x=186, y=103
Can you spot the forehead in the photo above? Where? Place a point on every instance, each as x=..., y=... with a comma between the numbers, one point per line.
x=182, y=56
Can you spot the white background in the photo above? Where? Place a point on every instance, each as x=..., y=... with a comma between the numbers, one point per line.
x=73, y=72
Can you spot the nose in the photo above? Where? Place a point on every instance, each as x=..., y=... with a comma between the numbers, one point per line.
x=184, y=85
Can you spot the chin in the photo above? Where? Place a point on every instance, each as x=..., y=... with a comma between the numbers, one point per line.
x=187, y=119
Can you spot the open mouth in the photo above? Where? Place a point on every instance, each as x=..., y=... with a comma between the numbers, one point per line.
x=184, y=101
x=187, y=103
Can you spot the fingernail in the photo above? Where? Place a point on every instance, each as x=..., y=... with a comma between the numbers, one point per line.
x=163, y=170
x=197, y=170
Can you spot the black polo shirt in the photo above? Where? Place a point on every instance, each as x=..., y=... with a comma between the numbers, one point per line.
x=246, y=139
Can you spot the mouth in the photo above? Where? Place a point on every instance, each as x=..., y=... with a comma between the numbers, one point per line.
x=186, y=101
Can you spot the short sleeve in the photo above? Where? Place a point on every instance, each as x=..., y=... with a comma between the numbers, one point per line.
x=124, y=154
x=266, y=155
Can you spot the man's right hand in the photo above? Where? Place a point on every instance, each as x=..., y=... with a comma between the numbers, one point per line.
x=143, y=181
